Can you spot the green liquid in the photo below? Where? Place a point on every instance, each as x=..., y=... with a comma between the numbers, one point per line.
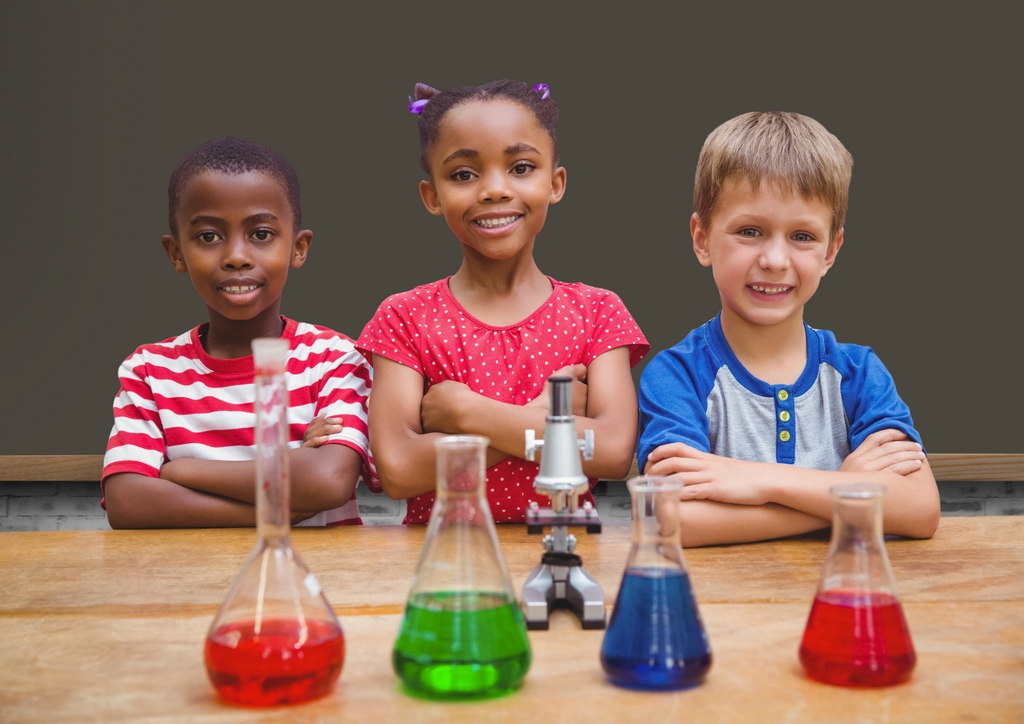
x=462, y=645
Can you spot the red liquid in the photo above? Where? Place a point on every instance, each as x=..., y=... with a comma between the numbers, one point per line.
x=857, y=638
x=268, y=669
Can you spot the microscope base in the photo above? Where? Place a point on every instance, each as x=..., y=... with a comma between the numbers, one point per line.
x=551, y=586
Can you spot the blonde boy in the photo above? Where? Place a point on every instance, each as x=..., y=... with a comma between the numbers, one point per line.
x=757, y=412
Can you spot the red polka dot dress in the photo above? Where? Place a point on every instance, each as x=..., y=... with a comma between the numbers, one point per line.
x=428, y=330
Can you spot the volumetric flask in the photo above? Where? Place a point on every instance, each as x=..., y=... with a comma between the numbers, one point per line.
x=275, y=639
x=463, y=634
x=856, y=634
x=655, y=639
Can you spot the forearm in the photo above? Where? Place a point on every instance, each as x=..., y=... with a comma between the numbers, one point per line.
x=505, y=425
x=910, y=507
x=320, y=478
x=137, y=501
x=709, y=522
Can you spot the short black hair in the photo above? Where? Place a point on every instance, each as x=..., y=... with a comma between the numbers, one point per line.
x=536, y=99
x=233, y=156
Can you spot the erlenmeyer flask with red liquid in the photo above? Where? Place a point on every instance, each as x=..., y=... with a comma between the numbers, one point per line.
x=856, y=634
x=275, y=639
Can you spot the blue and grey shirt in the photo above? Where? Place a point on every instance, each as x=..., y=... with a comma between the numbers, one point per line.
x=698, y=393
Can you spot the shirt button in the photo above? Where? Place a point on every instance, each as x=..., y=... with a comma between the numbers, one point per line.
x=784, y=415
x=784, y=436
x=783, y=395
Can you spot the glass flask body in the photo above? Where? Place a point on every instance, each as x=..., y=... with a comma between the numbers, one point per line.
x=655, y=638
x=463, y=634
x=275, y=639
x=856, y=634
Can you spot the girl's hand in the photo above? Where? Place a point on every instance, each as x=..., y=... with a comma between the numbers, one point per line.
x=319, y=430
x=885, y=450
x=579, y=389
x=711, y=477
x=440, y=408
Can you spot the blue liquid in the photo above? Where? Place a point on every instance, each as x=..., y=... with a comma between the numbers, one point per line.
x=655, y=639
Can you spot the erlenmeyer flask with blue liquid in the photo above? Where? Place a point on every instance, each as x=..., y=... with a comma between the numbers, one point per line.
x=655, y=639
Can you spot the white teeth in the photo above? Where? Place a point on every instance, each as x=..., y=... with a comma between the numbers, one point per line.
x=239, y=290
x=770, y=290
x=491, y=223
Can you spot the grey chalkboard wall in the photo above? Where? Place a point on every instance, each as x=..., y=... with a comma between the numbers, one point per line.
x=100, y=100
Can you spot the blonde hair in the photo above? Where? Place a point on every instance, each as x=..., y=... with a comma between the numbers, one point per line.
x=789, y=150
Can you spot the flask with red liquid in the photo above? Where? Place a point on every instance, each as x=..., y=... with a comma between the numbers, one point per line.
x=856, y=634
x=275, y=639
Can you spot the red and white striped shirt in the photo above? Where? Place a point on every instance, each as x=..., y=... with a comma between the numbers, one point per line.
x=176, y=401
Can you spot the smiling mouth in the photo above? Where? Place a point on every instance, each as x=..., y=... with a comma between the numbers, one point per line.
x=241, y=289
x=499, y=222
x=769, y=290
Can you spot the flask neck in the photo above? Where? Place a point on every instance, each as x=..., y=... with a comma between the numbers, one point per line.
x=273, y=505
x=461, y=466
x=656, y=526
x=857, y=559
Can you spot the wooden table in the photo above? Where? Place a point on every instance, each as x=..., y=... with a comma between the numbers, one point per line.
x=109, y=626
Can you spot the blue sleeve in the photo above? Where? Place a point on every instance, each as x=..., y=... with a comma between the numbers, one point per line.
x=870, y=398
x=673, y=403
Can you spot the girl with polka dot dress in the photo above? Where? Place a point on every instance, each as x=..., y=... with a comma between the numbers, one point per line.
x=470, y=354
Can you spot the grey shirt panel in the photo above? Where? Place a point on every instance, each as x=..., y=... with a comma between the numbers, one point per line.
x=743, y=425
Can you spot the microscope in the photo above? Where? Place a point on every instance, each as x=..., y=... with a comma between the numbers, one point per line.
x=559, y=580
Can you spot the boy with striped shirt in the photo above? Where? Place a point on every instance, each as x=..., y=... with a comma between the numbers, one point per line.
x=181, y=450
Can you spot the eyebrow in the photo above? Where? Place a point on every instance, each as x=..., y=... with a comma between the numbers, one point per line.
x=254, y=219
x=510, y=151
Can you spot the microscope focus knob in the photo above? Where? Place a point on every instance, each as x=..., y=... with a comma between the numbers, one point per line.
x=532, y=444
x=587, y=444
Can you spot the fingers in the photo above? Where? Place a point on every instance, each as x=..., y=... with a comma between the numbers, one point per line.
x=877, y=439
x=906, y=467
x=895, y=453
x=319, y=429
x=672, y=450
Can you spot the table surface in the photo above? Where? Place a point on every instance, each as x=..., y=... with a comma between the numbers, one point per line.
x=109, y=626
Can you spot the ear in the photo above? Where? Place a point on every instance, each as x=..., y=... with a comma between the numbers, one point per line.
x=428, y=193
x=300, y=248
x=700, y=241
x=173, y=250
x=830, y=256
x=557, y=185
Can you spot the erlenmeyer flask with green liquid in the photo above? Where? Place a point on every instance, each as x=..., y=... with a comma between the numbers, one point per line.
x=463, y=634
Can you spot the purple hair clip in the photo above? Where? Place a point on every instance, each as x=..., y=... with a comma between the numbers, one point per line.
x=544, y=90
x=416, y=107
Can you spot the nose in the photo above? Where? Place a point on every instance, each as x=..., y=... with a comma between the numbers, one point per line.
x=774, y=253
x=237, y=253
x=495, y=186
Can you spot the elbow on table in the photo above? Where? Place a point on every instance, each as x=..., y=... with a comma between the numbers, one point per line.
x=391, y=485
x=120, y=504
x=926, y=522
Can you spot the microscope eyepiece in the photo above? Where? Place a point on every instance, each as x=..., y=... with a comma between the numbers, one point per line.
x=560, y=397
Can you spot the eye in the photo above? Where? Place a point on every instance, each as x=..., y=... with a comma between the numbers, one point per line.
x=749, y=232
x=802, y=236
x=262, y=234
x=462, y=175
x=522, y=168
x=208, y=237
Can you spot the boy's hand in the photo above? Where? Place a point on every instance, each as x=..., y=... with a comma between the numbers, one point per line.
x=885, y=450
x=710, y=477
x=319, y=430
x=579, y=389
x=440, y=408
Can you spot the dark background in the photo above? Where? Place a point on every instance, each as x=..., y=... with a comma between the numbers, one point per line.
x=101, y=100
